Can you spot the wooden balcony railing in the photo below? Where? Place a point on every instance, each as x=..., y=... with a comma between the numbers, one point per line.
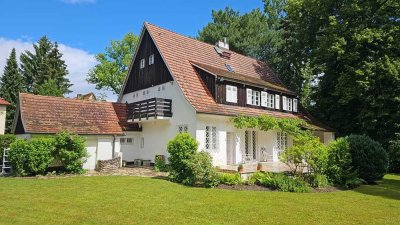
x=150, y=108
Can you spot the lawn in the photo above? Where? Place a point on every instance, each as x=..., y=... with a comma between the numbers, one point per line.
x=137, y=200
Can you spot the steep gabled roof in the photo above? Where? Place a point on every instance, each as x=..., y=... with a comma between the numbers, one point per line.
x=183, y=55
x=48, y=115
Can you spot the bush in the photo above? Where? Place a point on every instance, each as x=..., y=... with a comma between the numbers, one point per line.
x=281, y=182
x=200, y=171
x=229, y=178
x=318, y=180
x=159, y=164
x=181, y=148
x=31, y=157
x=394, y=155
x=260, y=178
x=71, y=151
x=369, y=158
x=308, y=152
x=5, y=142
x=340, y=170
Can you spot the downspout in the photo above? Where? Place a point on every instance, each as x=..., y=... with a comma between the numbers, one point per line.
x=113, y=146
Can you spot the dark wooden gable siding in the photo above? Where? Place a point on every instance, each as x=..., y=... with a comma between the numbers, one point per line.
x=19, y=127
x=208, y=80
x=150, y=75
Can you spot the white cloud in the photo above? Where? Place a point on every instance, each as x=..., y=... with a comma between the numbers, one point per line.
x=78, y=1
x=78, y=64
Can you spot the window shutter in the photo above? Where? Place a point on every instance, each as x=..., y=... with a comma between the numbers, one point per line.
x=228, y=93
x=284, y=103
x=294, y=105
x=249, y=96
x=234, y=94
x=277, y=101
x=264, y=98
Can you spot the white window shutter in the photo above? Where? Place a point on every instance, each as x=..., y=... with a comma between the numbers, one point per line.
x=249, y=93
x=228, y=93
x=277, y=101
x=284, y=103
x=294, y=105
x=264, y=98
x=234, y=94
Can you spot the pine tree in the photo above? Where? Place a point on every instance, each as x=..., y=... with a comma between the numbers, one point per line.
x=43, y=65
x=11, y=84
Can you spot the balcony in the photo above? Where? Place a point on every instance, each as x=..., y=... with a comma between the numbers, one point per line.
x=150, y=110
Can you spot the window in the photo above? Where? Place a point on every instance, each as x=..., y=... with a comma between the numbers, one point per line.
x=142, y=142
x=183, y=128
x=122, y=140
x=229, y=67
x=231, y=93
x=151, y=59
x=142, y=63
x=250, y=144
x=294, y=105
x=277, y=101
x=281, y=141
x=129, y=140
x=267, y=100
x=288, y=103
x=211, y=138
x=253, y=97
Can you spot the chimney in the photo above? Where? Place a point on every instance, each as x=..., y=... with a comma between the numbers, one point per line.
x=223, y=44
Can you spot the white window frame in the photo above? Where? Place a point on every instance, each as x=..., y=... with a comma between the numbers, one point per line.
x=295, y=104
x=183, y=128
x=277, y=101
x=231, y=93
x=142, y=63
x=151, y=59
x=282, y=142
x=267, y=100
x=250, y=145
x=211, y=138
x=253, y=97
x=284, y=102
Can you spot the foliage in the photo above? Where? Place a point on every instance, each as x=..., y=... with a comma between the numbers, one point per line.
x=44, y=68
x=285, y=183
x=5, y=142
x=260, y=178
x=307, y=152
x=394, y=155
x=339, y=169
x=159, y=164
x=71, y=151
x=31, y=157
x=113, y=64
x=229, y=178
x=49, y=88
x=317, y=180
x=11, y=84
x=199, y=171
x=369, y=158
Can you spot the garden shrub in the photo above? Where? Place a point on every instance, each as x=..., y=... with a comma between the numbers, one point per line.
x=229, y=178
x=260, y=178
x=31, y=157
x=187, y=166
x=340, y=169
x=318, y=180
x=282, y=182
x=369, y=158
x=159, y=164
x=394, y=155
x=200, y=172
x=71, y=151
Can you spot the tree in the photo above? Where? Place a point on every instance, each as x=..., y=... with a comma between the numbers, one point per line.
x=11, y=84
x=352, y=48
x=113, y=65
x=43, y=65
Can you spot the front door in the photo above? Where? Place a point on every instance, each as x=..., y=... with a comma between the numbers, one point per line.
x=230, y=149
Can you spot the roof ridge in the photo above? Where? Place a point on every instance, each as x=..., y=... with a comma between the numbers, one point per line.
x=195, y=39
x=63, y=98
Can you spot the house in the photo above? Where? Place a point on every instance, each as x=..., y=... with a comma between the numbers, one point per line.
x=101, y=123
x=89, y=96
x=176, y=84
x=180, y=84
x=3, y=111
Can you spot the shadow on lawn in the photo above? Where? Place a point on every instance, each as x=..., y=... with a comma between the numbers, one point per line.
x=386, y=188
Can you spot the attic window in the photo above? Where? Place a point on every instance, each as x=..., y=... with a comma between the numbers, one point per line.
x=229, y=67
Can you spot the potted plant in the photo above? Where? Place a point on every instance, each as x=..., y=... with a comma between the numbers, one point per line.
x=240, y=168
x=259, y=166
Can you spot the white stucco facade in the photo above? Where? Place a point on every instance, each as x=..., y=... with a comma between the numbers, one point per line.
x=3, y=110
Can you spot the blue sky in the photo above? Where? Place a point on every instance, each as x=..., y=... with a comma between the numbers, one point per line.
x=85, y=27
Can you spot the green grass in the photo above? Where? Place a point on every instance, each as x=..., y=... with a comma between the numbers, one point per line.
x=136, y=200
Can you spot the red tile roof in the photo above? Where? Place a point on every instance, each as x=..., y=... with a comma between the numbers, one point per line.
x=4, y=102
x=180, y=52
x=46, y=114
